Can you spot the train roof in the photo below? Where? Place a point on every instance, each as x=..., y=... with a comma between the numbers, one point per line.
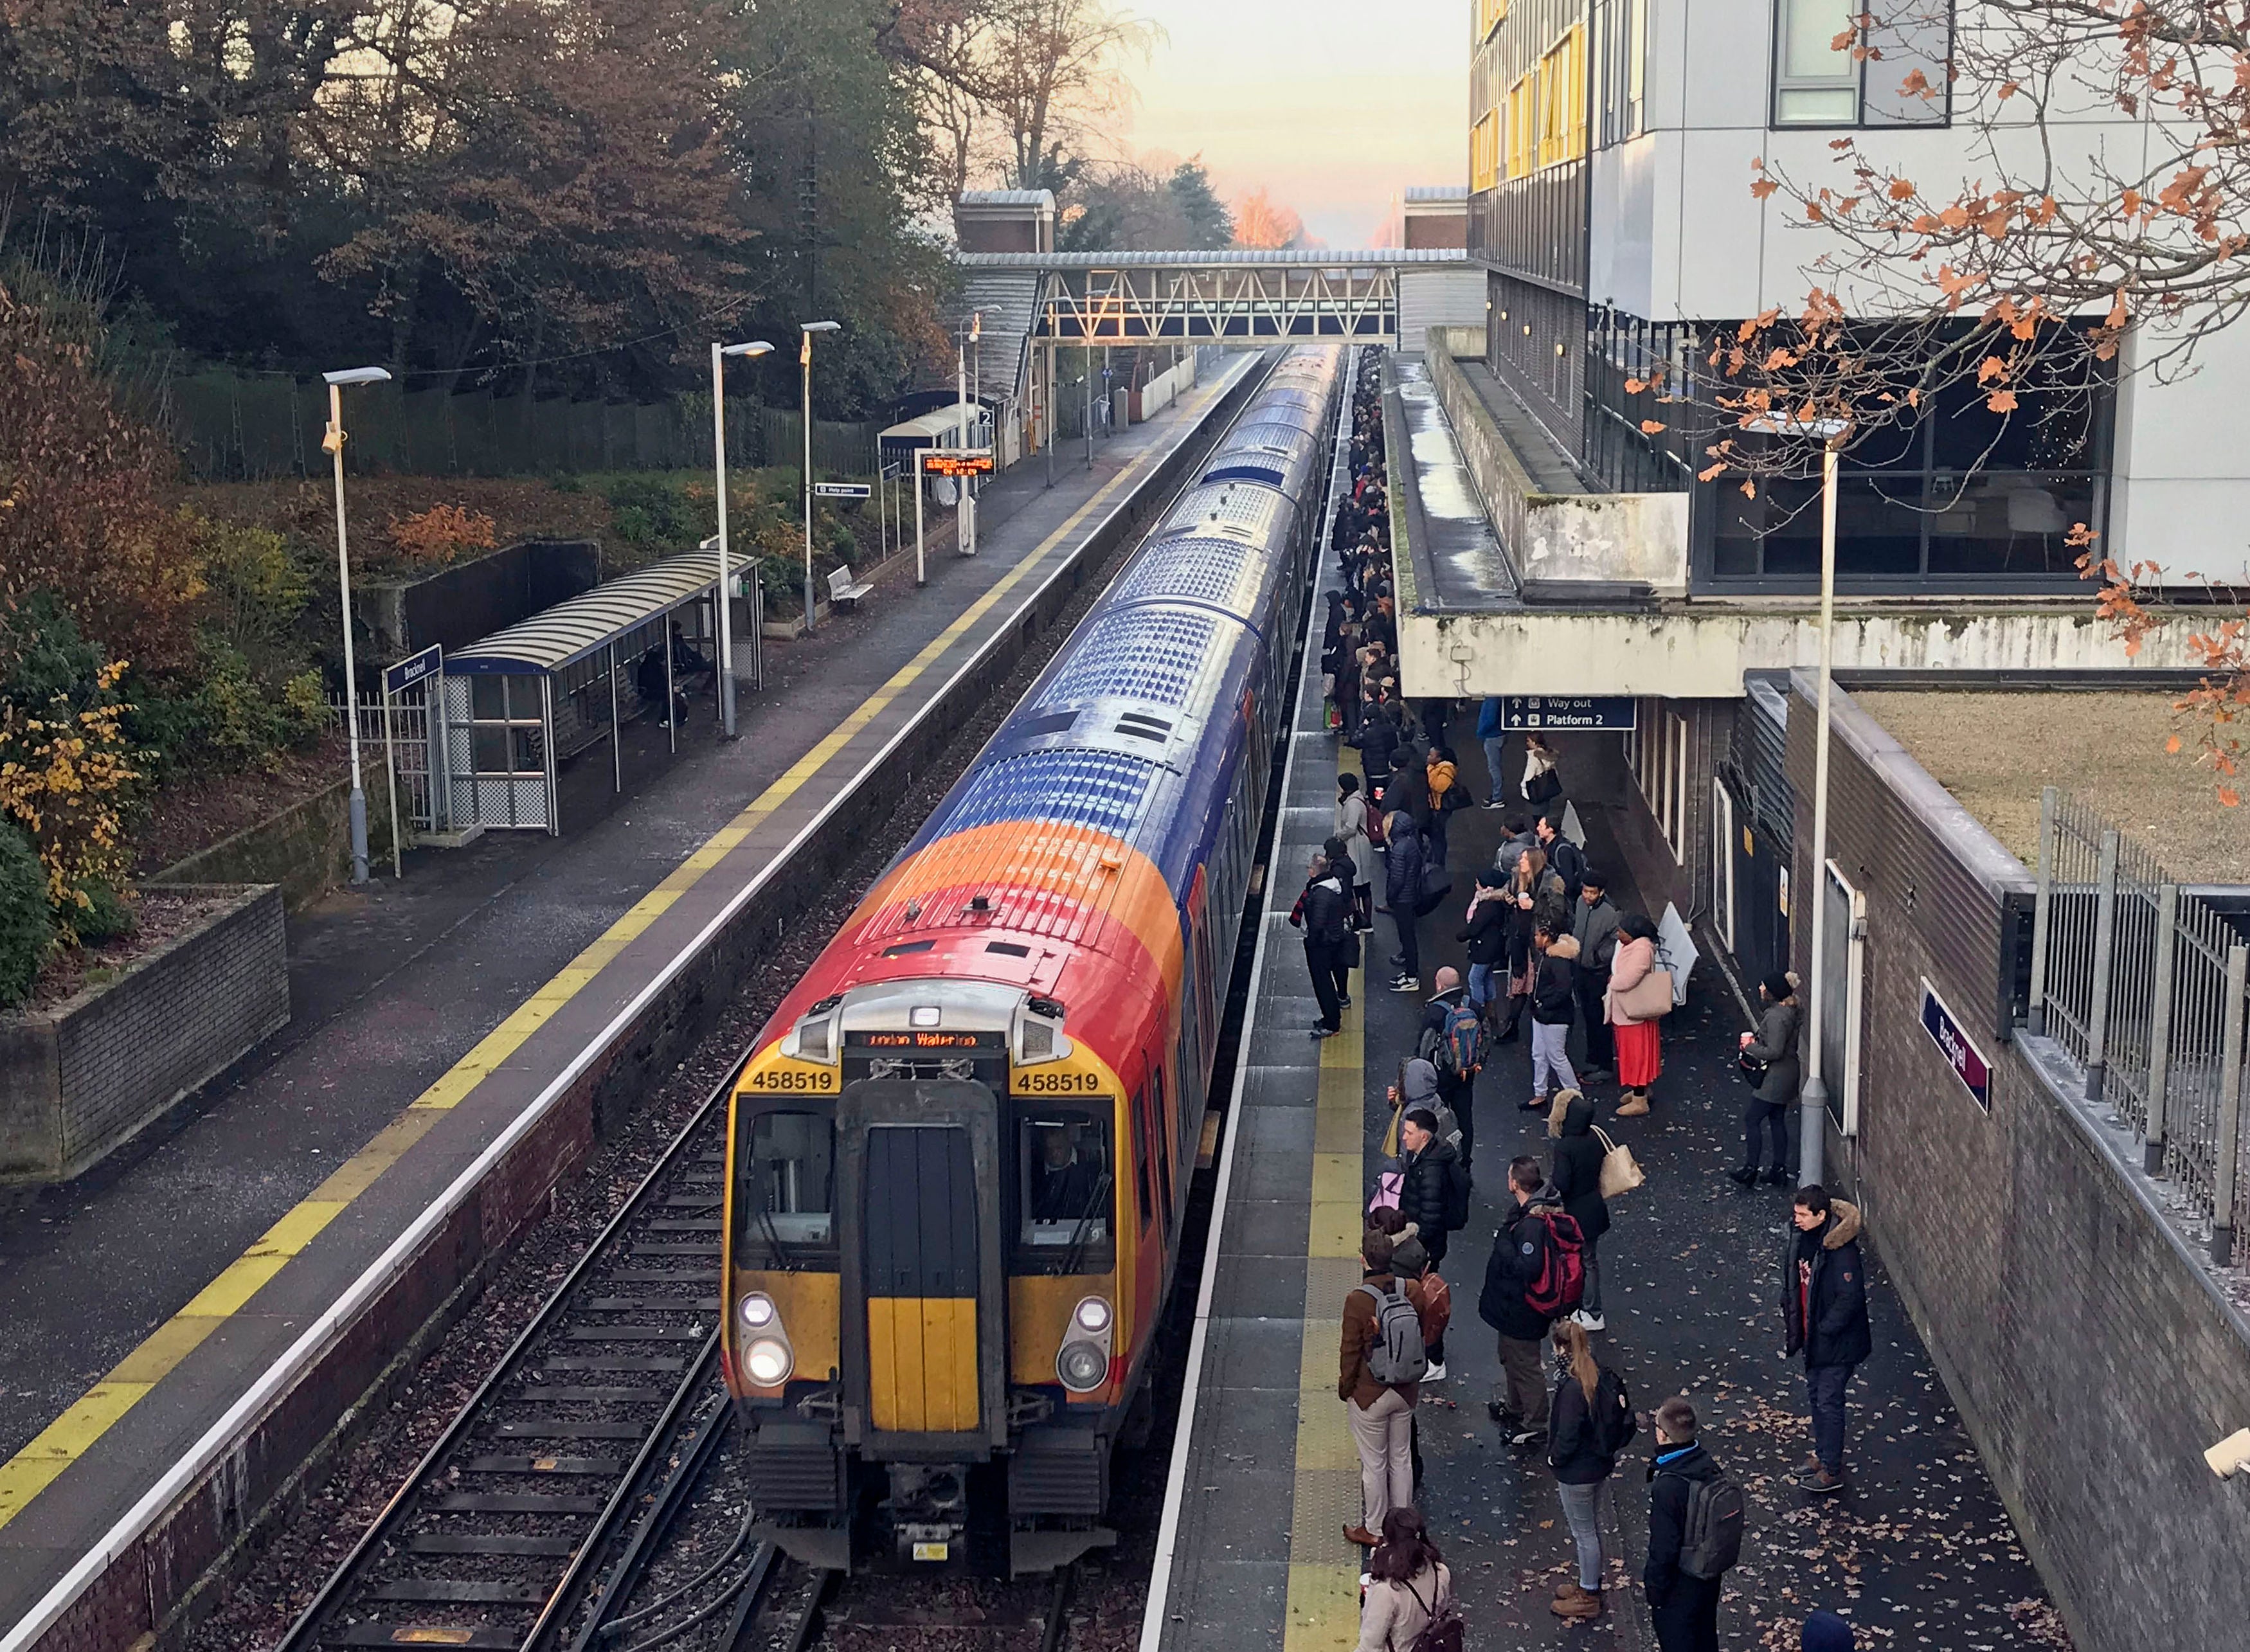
x=1277, y=454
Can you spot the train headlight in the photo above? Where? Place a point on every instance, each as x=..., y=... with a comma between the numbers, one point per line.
x=758, y=1311
x=768, y=1362
x=1082, y=1366
x=1093, y=1316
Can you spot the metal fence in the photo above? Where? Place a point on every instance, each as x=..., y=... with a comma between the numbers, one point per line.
x=230, y=426
x=2143, y=982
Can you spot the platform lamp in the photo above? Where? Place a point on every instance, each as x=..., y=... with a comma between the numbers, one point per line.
x=333, y=442
x=961, y=374
x=804, y=360
x=1812, y=1099
x=719, y=355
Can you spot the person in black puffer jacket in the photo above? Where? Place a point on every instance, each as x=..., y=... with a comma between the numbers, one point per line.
x=1578, y=1180
x=1686, y=1608
x=1435, y=1193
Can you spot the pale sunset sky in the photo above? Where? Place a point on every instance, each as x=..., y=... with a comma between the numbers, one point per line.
x=1332, y=105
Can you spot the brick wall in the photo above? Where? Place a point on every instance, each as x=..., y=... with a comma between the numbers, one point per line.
x=2089, y=1352
x=305, y=849
x=85, y=1076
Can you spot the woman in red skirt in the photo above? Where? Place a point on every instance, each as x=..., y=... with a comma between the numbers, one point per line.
x=1639, y=1056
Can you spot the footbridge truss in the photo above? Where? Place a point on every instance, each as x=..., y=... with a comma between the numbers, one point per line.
x=1244, y=298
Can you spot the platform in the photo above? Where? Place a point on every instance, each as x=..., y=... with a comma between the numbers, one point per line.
x=218, y=1293
x=1919, y=1549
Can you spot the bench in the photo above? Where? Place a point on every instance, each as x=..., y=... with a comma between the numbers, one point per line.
x=842, y=592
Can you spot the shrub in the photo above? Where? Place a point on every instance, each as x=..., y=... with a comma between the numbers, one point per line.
x=67, y=770
x=305, y=708
x=104, y=913
x=655, y=512
x=256, y=589
x=26, y=921
x=442, y=533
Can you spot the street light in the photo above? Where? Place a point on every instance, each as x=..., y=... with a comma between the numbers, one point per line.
x=1812, y=1111
x=719, y=355
x=804, y=360
x=333, y=442
x=965, y=530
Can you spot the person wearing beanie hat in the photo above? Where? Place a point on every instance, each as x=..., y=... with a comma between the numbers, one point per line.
x=1826, y=1632
x=1771, y=1053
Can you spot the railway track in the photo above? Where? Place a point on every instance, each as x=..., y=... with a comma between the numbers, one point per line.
x=566, y=1466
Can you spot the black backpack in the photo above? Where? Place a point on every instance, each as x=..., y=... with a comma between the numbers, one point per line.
x=1711, y=1530
x=1612, y=1420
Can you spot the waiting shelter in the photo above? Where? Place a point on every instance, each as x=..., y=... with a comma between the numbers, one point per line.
x=527, y=699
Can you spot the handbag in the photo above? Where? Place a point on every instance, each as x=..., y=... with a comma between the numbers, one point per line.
x=1621, y=1171
x=1543, y=788
x=1351, y=949
x=1753, y=1070
x=1649, y=998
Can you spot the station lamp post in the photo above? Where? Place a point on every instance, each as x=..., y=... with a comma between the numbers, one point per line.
x=726, y=615
x=334, y=441
x=962, y=355
x=1813, y=1114
x=804, y=360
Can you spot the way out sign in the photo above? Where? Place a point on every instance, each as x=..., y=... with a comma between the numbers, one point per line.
x=1590, y=712
x=1955, y=1047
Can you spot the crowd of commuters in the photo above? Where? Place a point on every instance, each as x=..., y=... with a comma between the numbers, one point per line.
x=1544, y=943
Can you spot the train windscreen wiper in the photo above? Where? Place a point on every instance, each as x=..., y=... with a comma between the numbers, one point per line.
x=1080, y=1234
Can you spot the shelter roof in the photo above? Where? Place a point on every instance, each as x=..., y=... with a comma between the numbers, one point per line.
x=584, y=624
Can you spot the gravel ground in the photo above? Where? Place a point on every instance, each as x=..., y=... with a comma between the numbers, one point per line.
x=274, y=1587
x=1994, y=751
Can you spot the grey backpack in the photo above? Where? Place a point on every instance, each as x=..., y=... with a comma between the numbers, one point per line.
x=1397, y=1355
x=1711, y=1534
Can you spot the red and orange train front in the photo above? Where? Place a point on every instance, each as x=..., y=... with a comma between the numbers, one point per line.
x=953, y=1200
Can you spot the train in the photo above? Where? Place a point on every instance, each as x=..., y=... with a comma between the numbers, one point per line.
x=958, y=1153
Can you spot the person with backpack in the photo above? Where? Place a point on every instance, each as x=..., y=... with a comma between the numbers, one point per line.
x=1535, y=1277
x=1824, y=1308
x=1694, y=1534
x=1409, y=1606
x=1452, y=1040
x=1402, y=897
x=1578, y=1150
x=1435, y=1195
x=1564, y=858
x=1383, y=1364
x=1589, y=1421
x=1409, y=1260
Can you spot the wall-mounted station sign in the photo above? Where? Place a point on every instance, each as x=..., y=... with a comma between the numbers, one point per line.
x=1594, y=713
x=843, y=489
x=1952, y=1038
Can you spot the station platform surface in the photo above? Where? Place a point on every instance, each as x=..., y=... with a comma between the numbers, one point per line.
x=140, y=1302
x=1918, y=1552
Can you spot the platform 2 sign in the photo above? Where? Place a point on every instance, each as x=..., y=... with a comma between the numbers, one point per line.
x=1593, y=713
x=1953, y=1044
x=843, y=489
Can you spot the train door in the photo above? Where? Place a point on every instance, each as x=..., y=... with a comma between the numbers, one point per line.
x=921, y=1270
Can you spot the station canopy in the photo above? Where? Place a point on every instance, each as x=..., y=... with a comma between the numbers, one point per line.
x=952, y=425
x=582, y=626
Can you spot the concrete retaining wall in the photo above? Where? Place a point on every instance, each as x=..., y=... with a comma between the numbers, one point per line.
x=80, y=1080
x=305, y=849
x=157, y=1584
x=2091, y=1353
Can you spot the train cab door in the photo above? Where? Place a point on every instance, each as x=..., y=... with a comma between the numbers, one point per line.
x=924, y=1241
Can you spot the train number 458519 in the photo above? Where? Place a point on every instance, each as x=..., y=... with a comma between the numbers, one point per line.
x=791, y=1078
x=1036, y=1081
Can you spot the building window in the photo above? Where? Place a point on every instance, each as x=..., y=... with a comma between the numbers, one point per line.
x=1722, y=861
x=1563, y=100
x=1963, y=494
x=1484, y=152
x=1827, y=73
x=1619, y=456
x=1522, y=118
x=1489, y=16
x=1656, y=752
x=1620, y=69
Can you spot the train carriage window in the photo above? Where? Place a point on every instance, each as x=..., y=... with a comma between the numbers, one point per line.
x=1064, y=1179
x=787, y=1196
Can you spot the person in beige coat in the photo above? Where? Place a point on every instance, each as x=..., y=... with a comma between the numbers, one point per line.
x=1407, y=1584
x=1639, y=1055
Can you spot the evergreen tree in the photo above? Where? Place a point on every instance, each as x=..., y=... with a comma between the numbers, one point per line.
x=1210, y=224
